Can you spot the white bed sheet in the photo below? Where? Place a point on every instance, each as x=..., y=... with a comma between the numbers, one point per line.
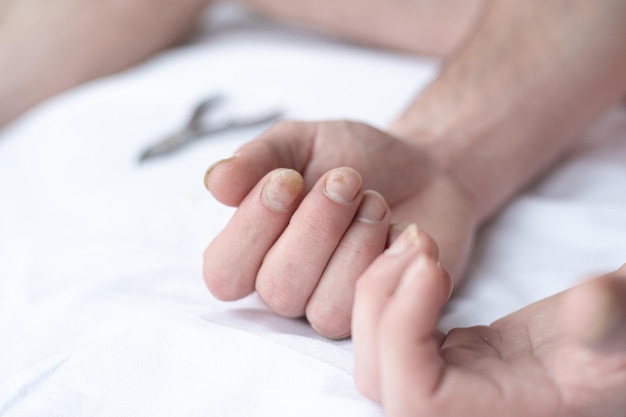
x=102, y=306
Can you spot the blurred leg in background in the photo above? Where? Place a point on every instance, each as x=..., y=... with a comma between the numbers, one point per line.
x=47, y=46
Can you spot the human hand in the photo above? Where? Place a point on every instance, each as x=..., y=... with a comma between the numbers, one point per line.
x=562, y=356
x=305, y=230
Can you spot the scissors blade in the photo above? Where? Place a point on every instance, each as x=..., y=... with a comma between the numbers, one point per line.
x=194, y=131
x=239, y=123
x=166, y=146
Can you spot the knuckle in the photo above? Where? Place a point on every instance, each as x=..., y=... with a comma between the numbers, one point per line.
x=330, y=320
x=286, y=126
x=279, y=297
x=224, y=283
x=428, y=244
x=221, y=287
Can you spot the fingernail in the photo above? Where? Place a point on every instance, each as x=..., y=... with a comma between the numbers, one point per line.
x=373, y=208
x=342, y=185
x=409, y=238
x=282, y=189
x=604, y=320
x=395, y=230
x=448, y=282
x=212, y=167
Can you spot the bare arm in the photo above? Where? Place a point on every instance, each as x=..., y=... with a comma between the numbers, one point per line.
x=432, y=27
x=512, y=99
x=49, y=46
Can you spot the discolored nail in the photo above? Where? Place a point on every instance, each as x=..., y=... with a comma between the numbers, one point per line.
x=603, y=320
x=373, y=207
x=343, y=185
x=212, y=167
x=408, y=239
x=282, y=189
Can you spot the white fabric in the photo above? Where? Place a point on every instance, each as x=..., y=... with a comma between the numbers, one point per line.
x=103, y=311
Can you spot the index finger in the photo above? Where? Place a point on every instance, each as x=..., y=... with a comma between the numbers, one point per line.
x=285, y=145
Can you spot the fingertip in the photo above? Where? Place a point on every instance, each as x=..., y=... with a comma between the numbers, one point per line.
x=282, y=189
x=226, y=182
x=418, y=269
x=446, y=281
x=594, y=314
x=342, y=185
x=366, y=386
x=411, y=237
x=211, y=168
x=333, y=328
x=222, y=287
x=395, y=230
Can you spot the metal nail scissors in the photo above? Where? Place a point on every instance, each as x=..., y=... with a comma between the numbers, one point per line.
x=196, y=129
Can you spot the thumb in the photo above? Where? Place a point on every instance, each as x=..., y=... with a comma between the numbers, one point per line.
x=594, y=313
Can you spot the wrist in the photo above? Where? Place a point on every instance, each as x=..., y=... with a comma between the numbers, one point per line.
x=503, y=109
x=455, y=135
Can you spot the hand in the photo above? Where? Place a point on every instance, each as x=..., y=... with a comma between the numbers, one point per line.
x=562, y=356
x=305, y=229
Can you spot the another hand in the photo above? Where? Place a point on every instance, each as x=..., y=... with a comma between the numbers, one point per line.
x=562, y=356
x=305, y=229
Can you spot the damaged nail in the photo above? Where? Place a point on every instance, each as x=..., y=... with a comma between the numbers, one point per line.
x=409, y=238
x=343, y=185
x=282, y=189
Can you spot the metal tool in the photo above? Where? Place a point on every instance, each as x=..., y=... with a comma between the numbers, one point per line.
x=197, y=128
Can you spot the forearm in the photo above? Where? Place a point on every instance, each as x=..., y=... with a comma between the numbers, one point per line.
x=512, y=99
x=49, y=46
x=430, y=27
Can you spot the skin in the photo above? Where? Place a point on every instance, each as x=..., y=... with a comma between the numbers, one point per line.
x=448, y=165
x=90, y=39
x=501, y=112
x=94, y=38
x=327, y=267
x=557, y=357
x=316, y=200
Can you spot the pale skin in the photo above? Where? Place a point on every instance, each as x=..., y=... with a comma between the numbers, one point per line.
x=316, y=201
x=470, y=141
x=552, y=358
x=501, y=112
x=49, y=46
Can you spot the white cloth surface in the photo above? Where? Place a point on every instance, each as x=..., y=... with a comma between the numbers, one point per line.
x=103, y=311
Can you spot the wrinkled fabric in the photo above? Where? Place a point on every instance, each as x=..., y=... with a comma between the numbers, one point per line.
x=103, y=310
